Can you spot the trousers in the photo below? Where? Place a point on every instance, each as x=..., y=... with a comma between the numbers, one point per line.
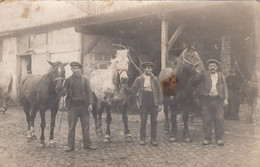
x=74, y=113
x=148, y=108
x=212, y=113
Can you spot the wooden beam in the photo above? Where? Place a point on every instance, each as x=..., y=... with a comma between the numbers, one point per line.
x=174, y=37
x=164, y=42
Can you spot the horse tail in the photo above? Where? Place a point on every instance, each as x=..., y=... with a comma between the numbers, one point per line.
x=10, y=86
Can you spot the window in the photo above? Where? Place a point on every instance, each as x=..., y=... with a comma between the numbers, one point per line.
x=1, y=51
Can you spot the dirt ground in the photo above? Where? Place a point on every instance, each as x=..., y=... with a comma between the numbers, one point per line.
x=242, y=146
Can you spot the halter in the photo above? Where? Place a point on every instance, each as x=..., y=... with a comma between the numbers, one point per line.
x=188, y=62
x=58, y=78
x=120, y=71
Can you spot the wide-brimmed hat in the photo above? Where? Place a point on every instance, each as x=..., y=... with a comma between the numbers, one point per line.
x=213, y=61
x=145, y=64
x=74, y=63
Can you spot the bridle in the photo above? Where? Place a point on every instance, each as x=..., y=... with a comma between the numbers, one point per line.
x=119, y=72
x=58, y=78
x=184, y=60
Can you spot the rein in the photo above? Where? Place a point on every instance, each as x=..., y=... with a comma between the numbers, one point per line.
x=131, y=60
x=184, y=60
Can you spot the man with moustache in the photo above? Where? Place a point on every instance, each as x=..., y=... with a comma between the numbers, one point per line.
x=79, y=103
x=214, y=95
x=149, y=100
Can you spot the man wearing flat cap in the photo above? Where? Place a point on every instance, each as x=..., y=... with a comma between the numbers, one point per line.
x=79, y=103
x=149, y=100
x=214, y=95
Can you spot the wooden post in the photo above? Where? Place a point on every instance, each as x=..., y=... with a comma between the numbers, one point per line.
x=164, y=41
x=175, y=36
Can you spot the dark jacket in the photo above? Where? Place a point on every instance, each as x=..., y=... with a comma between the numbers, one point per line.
x=221, y=85
x=86, y=91
x=138, y=86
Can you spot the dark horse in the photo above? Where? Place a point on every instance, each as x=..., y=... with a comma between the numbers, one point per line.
x=42, y=93
x=110, y=89
x=178, y=85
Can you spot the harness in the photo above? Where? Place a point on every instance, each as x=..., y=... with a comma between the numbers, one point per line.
x=182, y=60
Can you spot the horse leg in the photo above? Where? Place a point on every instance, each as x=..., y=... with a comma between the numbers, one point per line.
x=43, y=124
x=128, y=136
x=166, y=114
x=99, y=119
x=108, y=121
x=95, y=112
x=54, y=111
x=5, y=106
x=173, y=110
x=26, y=108
x=33, y=115
x=186, y=133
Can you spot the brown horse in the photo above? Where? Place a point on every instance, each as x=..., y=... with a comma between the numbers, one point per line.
x=42, y=93
x=6, y=83
x=178, y=84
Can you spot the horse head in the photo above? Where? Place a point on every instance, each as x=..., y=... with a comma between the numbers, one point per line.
x=120, y=65
x=191, y=62
x=57, y=74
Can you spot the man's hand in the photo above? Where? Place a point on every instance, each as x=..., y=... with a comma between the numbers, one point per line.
x=225, y=103
x=90, y=108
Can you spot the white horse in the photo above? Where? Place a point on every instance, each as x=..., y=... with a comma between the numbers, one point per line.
x=6, y=83
x=108, y=86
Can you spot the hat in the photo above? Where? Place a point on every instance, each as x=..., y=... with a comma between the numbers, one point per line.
x=213, y=61
x=145, y=64
x=74, y=63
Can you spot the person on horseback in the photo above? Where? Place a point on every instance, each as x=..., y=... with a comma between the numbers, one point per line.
x=149, y=100
x=79, y=103
x=214, y=94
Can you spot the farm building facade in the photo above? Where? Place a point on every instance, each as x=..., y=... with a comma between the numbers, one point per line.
x=157, y=31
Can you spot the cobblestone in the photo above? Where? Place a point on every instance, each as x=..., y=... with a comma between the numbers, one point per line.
x=242, y=146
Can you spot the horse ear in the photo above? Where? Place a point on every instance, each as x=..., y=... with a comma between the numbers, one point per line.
x=51, y=63
x=64, y=64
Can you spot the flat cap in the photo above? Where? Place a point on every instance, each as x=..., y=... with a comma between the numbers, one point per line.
x=74, y=63
x=213, y=61
x=145, y=64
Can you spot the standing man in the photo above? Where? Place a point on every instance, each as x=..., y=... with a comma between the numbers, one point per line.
x=214, y=95
x=149, y=100
x=79, y=103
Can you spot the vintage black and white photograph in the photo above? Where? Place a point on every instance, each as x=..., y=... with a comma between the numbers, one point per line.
x=113, y=83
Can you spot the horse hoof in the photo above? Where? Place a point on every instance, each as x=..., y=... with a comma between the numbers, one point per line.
x=107, y=139
x=128, y=138
x=188, y=139
x=42, y=145
x=173, y=139
x=52, y=143
x=29, y=139
x=99, y=133
x=34, y=137
x=166, y=131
